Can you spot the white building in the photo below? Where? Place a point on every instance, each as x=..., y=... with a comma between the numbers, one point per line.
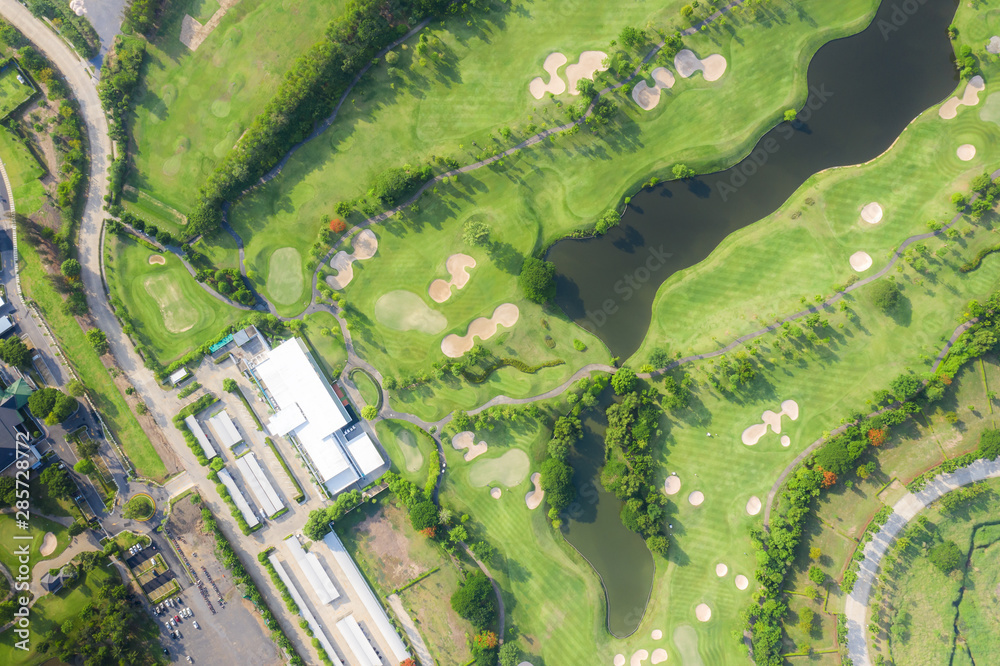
x=308, y=409
x=225, y=430
x=199, y=434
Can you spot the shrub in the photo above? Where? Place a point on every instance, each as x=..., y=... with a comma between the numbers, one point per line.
x=945, y=556
x=369, y=412
x=98, y=340
x=624, y=380
x=816, y=575
x=424, y=515
x=989, y=444
x=884, y=295
x=537, y=280
x=475, y=601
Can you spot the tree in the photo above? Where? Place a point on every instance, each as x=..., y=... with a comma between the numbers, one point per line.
x=8, y=491
x=58, y=482
x=369, y=412
x=98, y=340
x=475, y=600
x=658, y=545
x=476, y=233
x=790, y=115
x=816, y=575
x=229, y=385
x=557, y=482
x=683, y=172
x=510, y=653
x=945, y=556
x=63, y=408
x=85, y=466
x=71, y=269
x=42, y=401
x=989, y=444
x=877, y=436
x=815, y=553
x=884, y=295
x=905, y=387
x=14, y=352
x=76, y=388
x=424, y=515
x=806, y=618
x=623, y=381
x=630, y=36
x=537, y=279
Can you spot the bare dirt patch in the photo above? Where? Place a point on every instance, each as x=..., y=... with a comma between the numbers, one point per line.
x=392, y=546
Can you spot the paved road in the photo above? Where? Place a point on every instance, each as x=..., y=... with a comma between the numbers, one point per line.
x=856, y=605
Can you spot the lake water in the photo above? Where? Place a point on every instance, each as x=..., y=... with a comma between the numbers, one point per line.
x=864, y=90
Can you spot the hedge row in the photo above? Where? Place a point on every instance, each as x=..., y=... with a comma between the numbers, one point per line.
x=198, y=405
x=284, y=465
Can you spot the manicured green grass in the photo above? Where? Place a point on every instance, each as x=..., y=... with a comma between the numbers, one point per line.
x=12, y=92
x=370, y=393
x=108, y=400
x=193, y=106
x=23, y=170
x=10, y=540
x=170, y=310
x=456, y=110
x=149, y=209
x=409, y=448
x=323, y=334
x=285, y=280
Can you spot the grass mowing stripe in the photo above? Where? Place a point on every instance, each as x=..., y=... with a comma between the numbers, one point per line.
x=88, y=365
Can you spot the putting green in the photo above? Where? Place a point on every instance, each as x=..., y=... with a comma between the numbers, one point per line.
x=413, y=459
x=508, y=470
x=178, y=315
x=284, y=275
x=403, y=310
x=991, y=109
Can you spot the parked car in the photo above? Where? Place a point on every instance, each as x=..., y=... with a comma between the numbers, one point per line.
x=196, y=625
x=177, y=618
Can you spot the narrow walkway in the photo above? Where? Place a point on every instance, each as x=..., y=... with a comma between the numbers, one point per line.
x=416, y=640
x=856, y=605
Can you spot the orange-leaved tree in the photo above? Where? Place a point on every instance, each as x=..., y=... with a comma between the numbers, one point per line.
x=877, y=436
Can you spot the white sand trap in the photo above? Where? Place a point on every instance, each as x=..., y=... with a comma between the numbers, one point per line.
x=949, y=109
x=157, y=260
x=672, y=485
x=659, y=656
x=458, y=266
x=721, y=569
x=966, y=152
x=464, y=440
x=994, y=45
x=365, y=244
x=646, y=96
x=49, y=544
x=556, y=85
x=585, y=68
x=696, y=498
x=403, y=310
x=861, y=261
x=505, y=315
x=742, y=582
x=495, y=493
x=872, y=213
x=753, y=505
x=687, y=63
x=657, y=634
x=619, y=660
x=509, y=470
x=786, y=441
x=639, y=657
x=703, y=613
x=534, y=498
x=752, y=435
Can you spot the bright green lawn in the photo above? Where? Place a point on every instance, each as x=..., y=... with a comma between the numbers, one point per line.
x=409, y=448
x=171, y=311
x=193, y=106
x=12, y=92
x=152, y=211
x=323, y=334
x=483, y=87
x=103, y=392
x=367, y=387
x=38, y=527
x=23, y=171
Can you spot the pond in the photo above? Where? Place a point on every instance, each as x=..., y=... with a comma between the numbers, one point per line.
x=864, y=90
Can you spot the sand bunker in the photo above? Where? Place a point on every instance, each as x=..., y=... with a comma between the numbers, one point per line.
x=861, y=261
x=505, y=315
x=696, y=498
x=495, y=493
x=365, y=244
x=672, y=485
x=585, y=68
x=742, y=582
x=659, y=656
x=753, y=505
x=194, y=33
x=721, y=569
x=78, y=7
x=508, y=470
x=703, y=613
x=966, y=152
x=464, y=440
x=657, y=634
x=786, y=441
x=556, y=85
x=687, y=63
x=49, y=544
x=157, y=260
x=994, y=45
x=872, y=213
x=949, y=109
x=458, y=266
x=534, y=498
x=403, y=310
x=619, y=660
x=752, y=435
x=646, y=96
x=639, y=657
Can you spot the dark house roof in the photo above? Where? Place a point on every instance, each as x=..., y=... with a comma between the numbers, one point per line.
x=51, y=583
x=12, y=401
